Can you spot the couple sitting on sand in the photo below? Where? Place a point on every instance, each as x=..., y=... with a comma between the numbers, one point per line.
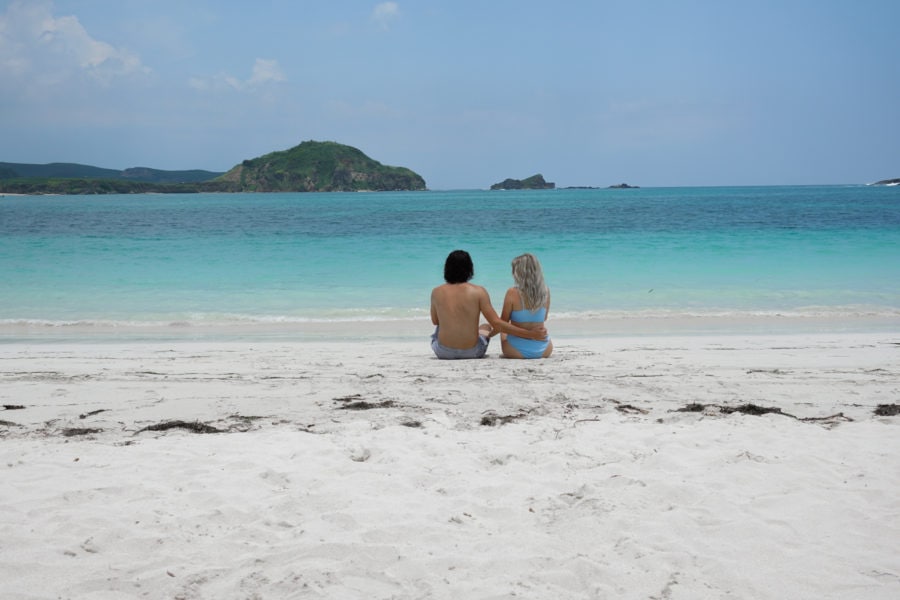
x=457, y=305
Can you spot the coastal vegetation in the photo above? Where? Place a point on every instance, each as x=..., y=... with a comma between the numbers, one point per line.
x=535, y=182
x=309, y=167
x=82, y=186
x=77, y=171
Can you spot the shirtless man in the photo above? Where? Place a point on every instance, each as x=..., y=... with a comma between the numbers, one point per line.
x=456, y=307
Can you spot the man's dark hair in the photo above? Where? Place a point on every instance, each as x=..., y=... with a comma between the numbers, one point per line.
x=459, y=267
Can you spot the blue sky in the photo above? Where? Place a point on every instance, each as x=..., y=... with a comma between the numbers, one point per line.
x=653, y=93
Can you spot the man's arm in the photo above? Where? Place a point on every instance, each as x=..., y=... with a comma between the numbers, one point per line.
x=505, y=312
x=498, y=324
x=434, y=315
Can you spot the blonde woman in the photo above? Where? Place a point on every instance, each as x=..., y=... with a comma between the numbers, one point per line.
x=526, y=305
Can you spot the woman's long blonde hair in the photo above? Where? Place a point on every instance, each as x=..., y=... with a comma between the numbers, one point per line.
x=529, y=278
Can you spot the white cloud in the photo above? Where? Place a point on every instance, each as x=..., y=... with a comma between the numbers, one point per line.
x=47, y=49
x=265, y=71
x=386, y=12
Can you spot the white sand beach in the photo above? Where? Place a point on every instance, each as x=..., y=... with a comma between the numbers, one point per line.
x=344, y=469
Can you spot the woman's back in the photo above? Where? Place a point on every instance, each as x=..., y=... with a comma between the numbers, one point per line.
x=526, y=305
x=523, y=315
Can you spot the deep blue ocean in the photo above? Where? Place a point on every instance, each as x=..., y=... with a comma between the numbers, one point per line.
x=188, y=259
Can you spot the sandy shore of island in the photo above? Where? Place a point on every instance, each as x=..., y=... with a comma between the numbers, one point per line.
x=687, y=466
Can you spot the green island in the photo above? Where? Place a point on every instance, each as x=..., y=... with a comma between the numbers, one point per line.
x=309, y=167
x=535, y=182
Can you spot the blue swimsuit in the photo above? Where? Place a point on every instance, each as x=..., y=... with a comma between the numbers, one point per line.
x=526, y=347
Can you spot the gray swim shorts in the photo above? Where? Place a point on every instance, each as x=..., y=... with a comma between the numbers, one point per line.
x=444, y=352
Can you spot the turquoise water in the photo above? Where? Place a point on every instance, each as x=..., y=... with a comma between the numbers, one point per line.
x=239, y=258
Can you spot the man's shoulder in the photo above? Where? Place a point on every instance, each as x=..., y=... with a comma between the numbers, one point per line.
x=467, y=286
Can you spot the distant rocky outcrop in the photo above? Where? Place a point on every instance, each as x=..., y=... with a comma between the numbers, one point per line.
x=535, y=182
x=624, y=186
x=319, y=167
x=891, y=182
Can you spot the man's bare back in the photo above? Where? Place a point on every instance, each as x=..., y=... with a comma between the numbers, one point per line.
x=456, y=309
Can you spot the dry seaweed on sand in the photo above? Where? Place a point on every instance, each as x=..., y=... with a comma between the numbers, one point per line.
x=75, y=431
x=350, y=398
x=13, y=407
x=355, y=402
x=492, y=419
x=195, y=426
x=628, y=408
x=747, y=409
x=92, y=413
x=248, y=418
x=887, y=410
x=363, y=405
x=756, y=410
x=830, y=419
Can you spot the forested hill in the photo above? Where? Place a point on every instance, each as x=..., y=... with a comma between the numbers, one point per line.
x=320, y=167
x=309, y=167
x=76, y=171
